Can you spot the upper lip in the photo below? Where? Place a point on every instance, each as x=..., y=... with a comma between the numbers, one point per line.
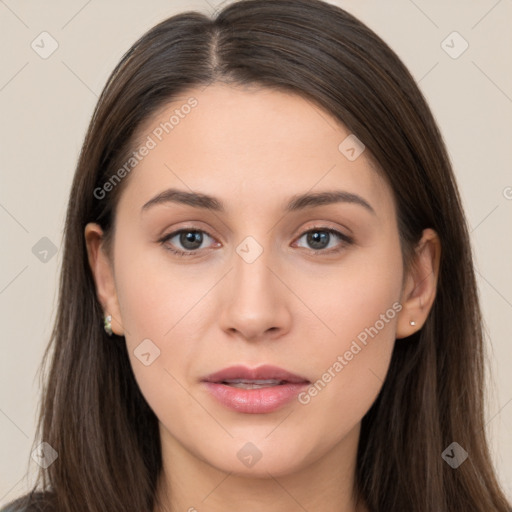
x=264, y=372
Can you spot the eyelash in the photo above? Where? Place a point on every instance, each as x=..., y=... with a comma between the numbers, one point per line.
x=345, y=240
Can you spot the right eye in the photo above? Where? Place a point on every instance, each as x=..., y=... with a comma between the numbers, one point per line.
x=190, y=239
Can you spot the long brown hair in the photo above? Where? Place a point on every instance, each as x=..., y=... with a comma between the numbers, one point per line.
x=92, y=412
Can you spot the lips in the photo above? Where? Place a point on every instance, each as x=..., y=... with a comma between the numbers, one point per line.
x=265, y=375
x=259, y=390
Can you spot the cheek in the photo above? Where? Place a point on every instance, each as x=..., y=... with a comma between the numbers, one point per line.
x=358, y=307
x=352, y=296
x=154, y=294
x=160, y=305
x=154, y=313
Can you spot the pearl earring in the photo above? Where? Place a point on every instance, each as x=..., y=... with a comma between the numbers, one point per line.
x=412, y=322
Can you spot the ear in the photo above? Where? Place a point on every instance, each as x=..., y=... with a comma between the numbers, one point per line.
x=103, y=273
x=420, y=285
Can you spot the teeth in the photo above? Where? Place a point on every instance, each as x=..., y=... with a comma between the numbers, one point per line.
x=243, y=385
x=255, y=381
x=252, y=384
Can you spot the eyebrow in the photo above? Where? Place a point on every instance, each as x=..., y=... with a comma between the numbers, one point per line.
x=296, y=202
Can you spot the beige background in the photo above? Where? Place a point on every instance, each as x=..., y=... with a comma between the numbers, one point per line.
x=46, y=105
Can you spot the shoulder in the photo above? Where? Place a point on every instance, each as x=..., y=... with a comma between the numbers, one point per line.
x=12, y=508
x=36, y=501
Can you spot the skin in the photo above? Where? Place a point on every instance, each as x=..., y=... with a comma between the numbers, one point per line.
x=253, y=149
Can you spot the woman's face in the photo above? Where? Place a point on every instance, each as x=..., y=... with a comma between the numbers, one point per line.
x=264, y=284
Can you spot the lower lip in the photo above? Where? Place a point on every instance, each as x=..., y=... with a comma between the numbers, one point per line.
x=255, y=401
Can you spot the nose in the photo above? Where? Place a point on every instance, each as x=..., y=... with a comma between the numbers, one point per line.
x=256, y=302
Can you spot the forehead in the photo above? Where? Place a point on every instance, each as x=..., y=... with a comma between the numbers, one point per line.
x=247, y=144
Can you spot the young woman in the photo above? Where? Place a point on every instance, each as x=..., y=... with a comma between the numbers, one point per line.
x=267, y=284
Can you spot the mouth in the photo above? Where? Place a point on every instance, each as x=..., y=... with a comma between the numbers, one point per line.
x=255, y=378
x=260, y=390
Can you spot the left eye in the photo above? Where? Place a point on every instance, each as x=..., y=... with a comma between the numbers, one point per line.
x=317, y=238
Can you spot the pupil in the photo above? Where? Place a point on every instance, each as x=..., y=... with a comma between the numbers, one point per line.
x=318, y=237
x=191, y=237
